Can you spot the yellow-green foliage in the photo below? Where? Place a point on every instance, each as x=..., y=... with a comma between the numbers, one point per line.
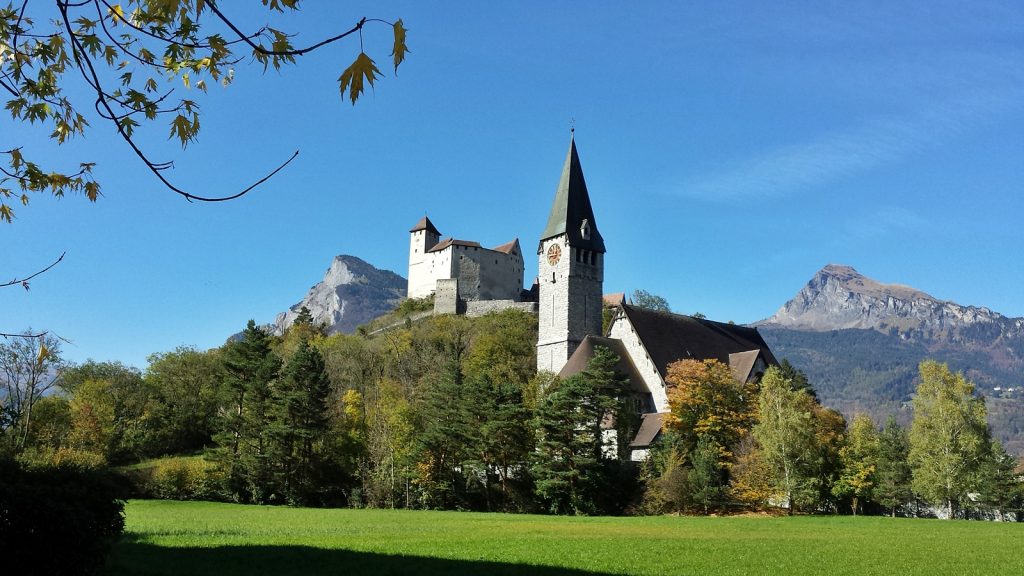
x=42, y=458
x=186, y=478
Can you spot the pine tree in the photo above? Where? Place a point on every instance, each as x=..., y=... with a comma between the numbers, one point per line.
x=893, y=475
x=568, y=466
x=299, y=424
x=999, y=489
x=249, y=368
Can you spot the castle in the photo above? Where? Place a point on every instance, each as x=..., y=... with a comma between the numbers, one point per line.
x=569, y=303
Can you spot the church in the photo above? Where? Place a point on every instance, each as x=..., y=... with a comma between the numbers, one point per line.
x=570, y=300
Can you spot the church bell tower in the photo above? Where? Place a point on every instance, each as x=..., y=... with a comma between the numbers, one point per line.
x=570, y=270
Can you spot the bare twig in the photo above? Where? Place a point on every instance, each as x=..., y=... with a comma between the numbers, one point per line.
x=24, y=281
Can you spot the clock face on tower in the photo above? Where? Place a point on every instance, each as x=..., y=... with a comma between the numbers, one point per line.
x=554, y=254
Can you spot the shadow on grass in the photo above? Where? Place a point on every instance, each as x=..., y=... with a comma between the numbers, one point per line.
x=137, y=558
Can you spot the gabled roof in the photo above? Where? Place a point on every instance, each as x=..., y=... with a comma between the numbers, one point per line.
x=742, y=363
x=616, y=299
x=585, y=351
x=669, y=337
x=453, y=242
x=572, y=206
x=425, y=224
x=508, y=247
x=650, y=426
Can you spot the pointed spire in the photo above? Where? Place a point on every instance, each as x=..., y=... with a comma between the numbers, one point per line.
x=425, y=224
x=571, y=211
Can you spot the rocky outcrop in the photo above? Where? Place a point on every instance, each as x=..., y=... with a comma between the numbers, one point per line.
x=838, y=297
x=860, y=342
x=352, y=293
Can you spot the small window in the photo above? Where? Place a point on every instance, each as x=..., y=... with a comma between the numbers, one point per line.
x=585, y=229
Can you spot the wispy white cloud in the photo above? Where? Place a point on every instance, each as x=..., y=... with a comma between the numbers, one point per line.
x=885, y=222
x=872, y=143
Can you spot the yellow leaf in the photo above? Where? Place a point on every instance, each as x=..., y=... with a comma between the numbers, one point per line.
x=116, y=14
x=399, y=50
x=352, y=78
x=44, y=353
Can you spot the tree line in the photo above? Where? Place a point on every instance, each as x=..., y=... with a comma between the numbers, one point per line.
x=449, y=413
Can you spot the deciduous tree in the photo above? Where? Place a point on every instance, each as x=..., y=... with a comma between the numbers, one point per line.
x=948, y=437
x=131, y=57
x=29, y=367
x=859, y=459
x=786, y=433
x=706, y=401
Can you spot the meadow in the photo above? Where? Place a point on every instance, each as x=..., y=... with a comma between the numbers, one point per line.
x=167, y=537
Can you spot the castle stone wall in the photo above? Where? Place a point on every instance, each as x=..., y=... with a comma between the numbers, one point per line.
x=483, y=307
x=446, y=296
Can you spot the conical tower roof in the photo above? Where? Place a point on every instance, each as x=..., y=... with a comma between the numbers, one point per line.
x=572, y=207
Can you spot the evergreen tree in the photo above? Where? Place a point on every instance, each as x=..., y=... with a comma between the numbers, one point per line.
x=999, y=489
x=893, y=475
x=249, y=368
x=705, y=480
x=569, y=463
x=798, y=380
x=299, y=425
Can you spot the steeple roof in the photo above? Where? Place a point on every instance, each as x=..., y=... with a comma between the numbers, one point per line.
x=572, y=207
x=425, y=224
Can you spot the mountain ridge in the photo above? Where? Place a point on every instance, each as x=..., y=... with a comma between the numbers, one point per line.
x=860, y=341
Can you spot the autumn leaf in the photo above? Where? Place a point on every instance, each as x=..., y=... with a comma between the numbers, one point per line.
x=400, y=48
x=352, y=78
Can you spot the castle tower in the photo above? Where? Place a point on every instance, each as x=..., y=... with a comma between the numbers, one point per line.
x=422, y=237
x=570, y=270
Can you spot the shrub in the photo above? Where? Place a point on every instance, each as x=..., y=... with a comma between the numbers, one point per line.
x=57, y=520
x=186, y=479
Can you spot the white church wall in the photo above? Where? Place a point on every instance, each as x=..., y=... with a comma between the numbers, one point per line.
x=621, y=329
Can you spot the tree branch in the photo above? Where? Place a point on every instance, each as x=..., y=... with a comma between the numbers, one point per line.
x=24, y=281
x=92, y=78
x=213, y=7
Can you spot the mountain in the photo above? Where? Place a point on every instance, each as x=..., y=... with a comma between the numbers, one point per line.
x=352, y=292
x=860, y=342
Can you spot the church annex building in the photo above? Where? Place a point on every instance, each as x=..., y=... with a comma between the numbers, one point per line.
x=568, y=299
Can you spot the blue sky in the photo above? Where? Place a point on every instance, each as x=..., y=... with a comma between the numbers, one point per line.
x=731, y=150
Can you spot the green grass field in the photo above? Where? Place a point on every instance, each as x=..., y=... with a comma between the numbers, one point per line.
x=200, y=538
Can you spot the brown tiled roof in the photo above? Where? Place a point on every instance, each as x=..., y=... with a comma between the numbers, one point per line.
x=585, y=351
x=650, y=426
x=616, y=299
x=669, y=337
x=453, y=242
x=507, y=247
x=425, y=224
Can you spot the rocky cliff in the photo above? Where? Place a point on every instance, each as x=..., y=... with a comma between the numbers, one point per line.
x=352, y=292
x=838, y=297
x=860, y=342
